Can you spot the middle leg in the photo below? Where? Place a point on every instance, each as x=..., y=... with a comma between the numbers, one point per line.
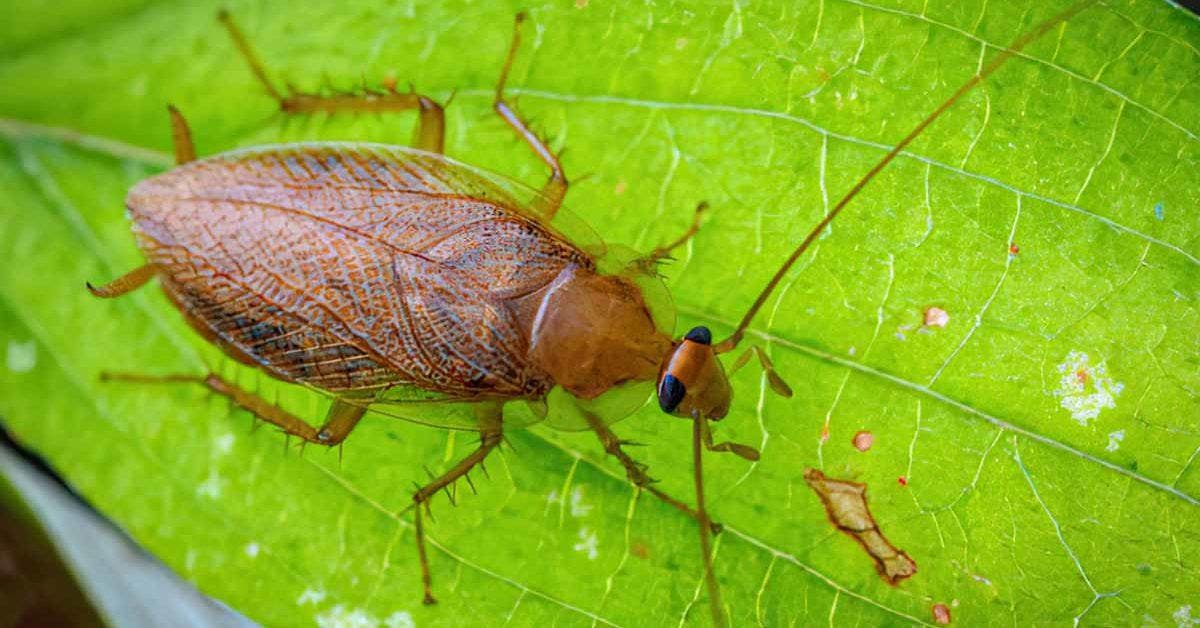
x=555, y=189
x=431, y=125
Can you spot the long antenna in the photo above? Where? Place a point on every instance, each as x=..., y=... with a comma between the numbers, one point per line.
x=1006, y=54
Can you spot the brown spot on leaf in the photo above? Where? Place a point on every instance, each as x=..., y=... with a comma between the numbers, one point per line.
x=846, y=504
x=863, y=440
x=936, y=317
x=941, y=614
x=640, y=550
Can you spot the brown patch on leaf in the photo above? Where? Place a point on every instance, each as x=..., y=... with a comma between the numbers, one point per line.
x=863, y=440
x=640, y=550
x=846, y=504
x=941, y=614
x=935, y=317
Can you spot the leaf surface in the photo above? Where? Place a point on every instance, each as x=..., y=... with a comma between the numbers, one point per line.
x=1047, y=435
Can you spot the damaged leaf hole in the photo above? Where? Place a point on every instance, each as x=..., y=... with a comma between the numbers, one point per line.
x=846, y=506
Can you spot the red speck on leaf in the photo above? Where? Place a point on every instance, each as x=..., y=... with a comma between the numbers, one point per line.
x=941, y=614
x=1013, y=249
x=1082, y=376
x=902, y=480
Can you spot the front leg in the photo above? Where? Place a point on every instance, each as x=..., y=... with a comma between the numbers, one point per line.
x=636, y=471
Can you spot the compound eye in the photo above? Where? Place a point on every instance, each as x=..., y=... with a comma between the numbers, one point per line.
x=700, y=335
x=670, y=393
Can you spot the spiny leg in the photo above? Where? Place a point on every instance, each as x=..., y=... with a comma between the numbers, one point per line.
x=555, y=189
x=744, y=451
x=646, y=263
x=343, y=416
x=491, y=433
x=777, y=384
x=124, y=284
x=636, y=471
x=428, y=136
x=665, y=250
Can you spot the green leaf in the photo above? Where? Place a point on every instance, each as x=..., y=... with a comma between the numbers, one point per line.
x=1048, y=433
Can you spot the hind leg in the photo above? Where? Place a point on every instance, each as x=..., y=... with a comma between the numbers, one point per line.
x=490, y=434
x=124, y=284
x=429, y=134
x=342, y=418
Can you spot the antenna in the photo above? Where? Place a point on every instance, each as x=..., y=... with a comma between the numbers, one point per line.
x=1015, y=47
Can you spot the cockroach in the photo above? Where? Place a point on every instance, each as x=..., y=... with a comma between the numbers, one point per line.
x=395, y=277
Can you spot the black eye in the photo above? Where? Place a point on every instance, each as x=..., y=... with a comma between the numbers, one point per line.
x=670, y=393
x=700, y=334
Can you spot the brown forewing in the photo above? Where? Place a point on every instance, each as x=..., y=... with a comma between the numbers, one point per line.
x=351, y=266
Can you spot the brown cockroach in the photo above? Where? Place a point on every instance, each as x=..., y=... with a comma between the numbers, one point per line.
x=396, y=277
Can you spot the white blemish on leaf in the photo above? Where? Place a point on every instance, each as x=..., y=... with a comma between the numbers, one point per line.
x=340, y=617
x=1183, y=617
x=224, y=444
x=1084, y=390
x=552, y=498
x=311, y=596
x=252, y=549
x=400, y=619
x=211, y=487
x=22, y=356
x=578, y=508
x=588, y=542
x=1114, y=440
x=852, y=351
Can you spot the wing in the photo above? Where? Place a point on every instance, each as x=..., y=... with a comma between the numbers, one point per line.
x=355, y=174
x=371, y=259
